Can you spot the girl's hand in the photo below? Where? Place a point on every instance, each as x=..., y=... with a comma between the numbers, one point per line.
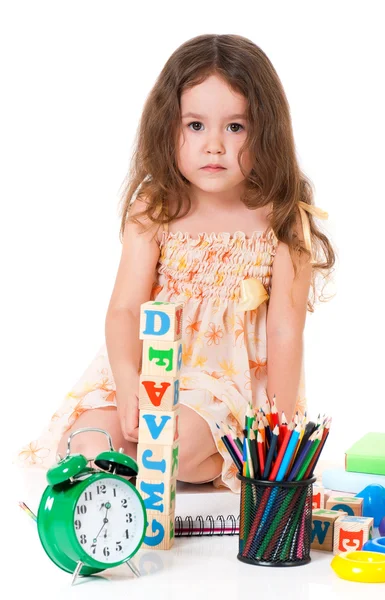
x=127, y=400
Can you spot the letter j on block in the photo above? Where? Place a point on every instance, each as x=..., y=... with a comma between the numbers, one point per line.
x=161, y=321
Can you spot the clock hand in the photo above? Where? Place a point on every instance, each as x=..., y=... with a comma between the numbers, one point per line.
x=105, y=520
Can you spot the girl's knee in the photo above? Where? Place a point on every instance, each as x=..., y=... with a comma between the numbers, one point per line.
x=91, y=443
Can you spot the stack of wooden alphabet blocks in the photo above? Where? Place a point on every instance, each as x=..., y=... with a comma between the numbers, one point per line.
x=338, y=524
x=158, y=443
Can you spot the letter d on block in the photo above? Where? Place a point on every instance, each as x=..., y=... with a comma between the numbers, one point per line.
x=150, y=323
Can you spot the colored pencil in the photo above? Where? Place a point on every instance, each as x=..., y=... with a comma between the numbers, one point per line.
x=27, y=510
x=254, y=453
x=281, y=452
x=267, y=431
x=282, y=430
x=230, y=450
x=288, y=454
x=261, y=452
x=274, y=414
x=271, y=452
x=300, y=458
x=313, y=462
x=231, y=440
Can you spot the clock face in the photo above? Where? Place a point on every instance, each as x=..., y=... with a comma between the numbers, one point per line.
x=108, y=520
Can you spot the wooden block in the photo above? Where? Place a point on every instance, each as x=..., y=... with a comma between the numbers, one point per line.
x=348, y=504
x=323, y=529
x=351, y=533
x=158, y=427
x=161, y=320
x=318, y=496
x=158, y=393
x=159, y=532
x=158, y=495
x=161, y=357
x=157, y=462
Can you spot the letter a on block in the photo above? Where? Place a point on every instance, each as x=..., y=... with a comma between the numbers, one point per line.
x=155, y=394
x=159, y=393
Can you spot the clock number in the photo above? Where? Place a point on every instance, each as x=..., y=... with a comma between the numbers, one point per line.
x=88, y=495
x=119, y=546
x=114, y=492
x=81, y=510
x=101, y=489
x=83, y=539
x=93, y=548
x=106, y=551
x=129, y=518
x=78, y=524
x=124, y=502
x=127, y=534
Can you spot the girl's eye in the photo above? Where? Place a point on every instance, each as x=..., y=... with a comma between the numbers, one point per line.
x=199, y=123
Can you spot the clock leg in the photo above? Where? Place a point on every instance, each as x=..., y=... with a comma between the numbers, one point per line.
x=133, y=568
x=76, y=572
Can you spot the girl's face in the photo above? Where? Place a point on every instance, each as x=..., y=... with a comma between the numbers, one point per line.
x=213, y=129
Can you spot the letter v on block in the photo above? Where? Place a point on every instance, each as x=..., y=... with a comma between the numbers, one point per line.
x=158, y=427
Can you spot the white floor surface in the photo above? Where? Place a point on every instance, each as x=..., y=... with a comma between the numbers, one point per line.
x=205, y=567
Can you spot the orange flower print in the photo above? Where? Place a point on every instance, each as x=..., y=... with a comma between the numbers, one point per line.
x=172, y=286
x=214, y=334
x=231, y=420
x=228, y=368
x=232, y=471
x=240, y=332
x=77, y=411
x=193, y=326
x=220, y=445
x=230, y=321
x=258, y=365
x=55, y=416
x=32, y=454
x=187, y=354
x=200, y=361
x=247, y=385
x=199, y=295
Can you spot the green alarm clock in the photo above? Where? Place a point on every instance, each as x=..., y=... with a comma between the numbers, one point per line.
x=91, y=519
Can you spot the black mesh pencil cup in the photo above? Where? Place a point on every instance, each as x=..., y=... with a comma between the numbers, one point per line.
x=275, y=522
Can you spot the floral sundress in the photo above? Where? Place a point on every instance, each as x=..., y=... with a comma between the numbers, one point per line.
x=224, y=350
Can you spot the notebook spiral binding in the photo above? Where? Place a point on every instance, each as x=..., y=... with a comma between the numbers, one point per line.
x=208, y=526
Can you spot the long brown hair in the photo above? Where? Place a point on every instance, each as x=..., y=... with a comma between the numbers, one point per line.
x=275, y=177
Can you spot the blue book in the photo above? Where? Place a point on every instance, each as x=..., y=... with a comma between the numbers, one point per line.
x=347, y=481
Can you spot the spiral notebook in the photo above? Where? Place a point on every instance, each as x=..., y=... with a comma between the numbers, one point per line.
x=212, y=513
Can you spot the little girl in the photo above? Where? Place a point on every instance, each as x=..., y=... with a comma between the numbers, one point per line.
x=218, y=215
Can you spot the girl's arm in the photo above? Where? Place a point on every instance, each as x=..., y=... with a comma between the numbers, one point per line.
x=285, y=325
x=133, y=284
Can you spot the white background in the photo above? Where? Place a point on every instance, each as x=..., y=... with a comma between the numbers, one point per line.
x=74, y=77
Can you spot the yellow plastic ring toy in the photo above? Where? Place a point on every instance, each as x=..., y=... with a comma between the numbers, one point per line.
x=363, y=566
